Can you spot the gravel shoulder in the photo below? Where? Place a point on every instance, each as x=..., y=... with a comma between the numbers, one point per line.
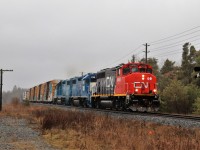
x=16, y=134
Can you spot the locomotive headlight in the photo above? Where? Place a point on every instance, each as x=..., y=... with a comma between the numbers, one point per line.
x=143, y=77
x=136, y=90
x=154, y=90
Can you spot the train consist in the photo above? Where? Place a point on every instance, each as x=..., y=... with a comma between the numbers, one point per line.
x=127, y=86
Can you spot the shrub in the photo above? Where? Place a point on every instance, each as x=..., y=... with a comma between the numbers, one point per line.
x=15, y=101
x=196, y=106
x=56, y=118
x=174, y=98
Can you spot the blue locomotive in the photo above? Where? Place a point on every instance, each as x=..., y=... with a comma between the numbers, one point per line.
x=75, y=91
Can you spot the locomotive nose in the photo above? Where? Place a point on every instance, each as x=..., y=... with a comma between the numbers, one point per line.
x=144, y=84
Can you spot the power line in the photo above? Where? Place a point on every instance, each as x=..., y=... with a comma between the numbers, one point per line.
x=124, y=56
x=167, y=54
x=173, y=44
x=173, y=52
x=153, y=51
x=177, y=37
x=153, y=42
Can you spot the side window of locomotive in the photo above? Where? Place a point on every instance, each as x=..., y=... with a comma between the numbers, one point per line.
x=93, y=79
x=126, y=71
x=100, y=75
x=74, y=82
x=149, y=70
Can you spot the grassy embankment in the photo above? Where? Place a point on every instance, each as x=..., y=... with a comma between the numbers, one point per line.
x=85, y=130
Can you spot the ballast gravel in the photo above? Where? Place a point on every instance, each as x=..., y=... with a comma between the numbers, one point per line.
x=163, y=120
x=16, y=134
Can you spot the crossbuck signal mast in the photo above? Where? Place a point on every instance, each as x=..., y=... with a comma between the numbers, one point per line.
x=1, y=85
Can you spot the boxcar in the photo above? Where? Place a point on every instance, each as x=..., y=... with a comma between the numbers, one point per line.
x=49, y=91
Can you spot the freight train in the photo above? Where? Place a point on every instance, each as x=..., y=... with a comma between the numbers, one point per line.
x=130, y=86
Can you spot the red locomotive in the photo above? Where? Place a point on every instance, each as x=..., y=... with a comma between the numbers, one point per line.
x=128, y=86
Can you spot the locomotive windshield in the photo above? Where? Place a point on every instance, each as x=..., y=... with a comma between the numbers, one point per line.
x=149, y=70
x=126, y=70
x=142, y=70
x=136, y=68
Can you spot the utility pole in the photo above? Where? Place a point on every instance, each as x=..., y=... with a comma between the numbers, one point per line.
x=1, y=85
x=146, y=45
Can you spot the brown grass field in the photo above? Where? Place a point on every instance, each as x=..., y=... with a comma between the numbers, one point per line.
x=88, y=131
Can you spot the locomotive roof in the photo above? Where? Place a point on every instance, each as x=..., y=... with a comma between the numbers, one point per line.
x=121, y=65
x=106, y=69
x=138, y=64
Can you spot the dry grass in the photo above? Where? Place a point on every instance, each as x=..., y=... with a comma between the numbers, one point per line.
x=83, y=130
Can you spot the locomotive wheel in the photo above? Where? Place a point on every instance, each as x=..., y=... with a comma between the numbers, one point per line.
x=97, y=105
x=93, y=103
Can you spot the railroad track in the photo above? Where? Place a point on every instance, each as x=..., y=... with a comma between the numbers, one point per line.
x=177, y=116
x=150, y=114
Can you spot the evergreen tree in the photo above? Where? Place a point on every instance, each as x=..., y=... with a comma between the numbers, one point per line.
x=167, y=67
x=154, y=63
x=188, y=63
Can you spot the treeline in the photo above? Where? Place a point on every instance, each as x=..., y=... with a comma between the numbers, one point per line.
x=16, y=92
x=179, y=91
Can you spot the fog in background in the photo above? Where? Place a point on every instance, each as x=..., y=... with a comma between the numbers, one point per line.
x=43, y=40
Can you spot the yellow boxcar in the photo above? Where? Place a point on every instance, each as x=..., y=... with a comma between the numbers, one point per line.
x=49, y=91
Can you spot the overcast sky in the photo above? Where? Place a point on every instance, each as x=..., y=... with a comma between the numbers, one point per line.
x=43, y=40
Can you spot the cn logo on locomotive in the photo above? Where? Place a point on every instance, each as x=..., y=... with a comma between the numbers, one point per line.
x=140, y=85
x=110, y=81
